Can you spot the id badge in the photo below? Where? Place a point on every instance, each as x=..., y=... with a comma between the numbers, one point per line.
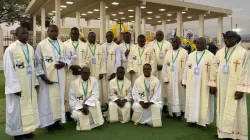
x=93, y=60
x=139, y=62
x=29, y=69
x=225, y=69
x=60, y=58
x=161, y=55
x=172, y=68
x=196, y=71
x=74, y=57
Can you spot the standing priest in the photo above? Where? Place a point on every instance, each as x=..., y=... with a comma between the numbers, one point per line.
x=20, y=80
x=230, y=74
x=147, y=99
x=199, y=101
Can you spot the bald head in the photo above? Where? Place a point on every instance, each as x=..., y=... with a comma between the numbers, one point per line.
x=22, y=34
x=159, y=36
x=201, y=44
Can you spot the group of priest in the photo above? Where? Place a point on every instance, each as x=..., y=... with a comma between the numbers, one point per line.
x=77, y=78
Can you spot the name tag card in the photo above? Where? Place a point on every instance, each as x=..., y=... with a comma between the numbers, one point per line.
x=139, y=62
x=196, y=71
x=161, y=55
x=172, y=68
x=60, y=58
x=75, y=56
x=93, y=60
x=225, y=69
x=29, y=69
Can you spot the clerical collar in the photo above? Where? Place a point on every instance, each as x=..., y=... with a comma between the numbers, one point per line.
x=147, y=78
x=52, y=40
x=84, y=81
x=21, y=43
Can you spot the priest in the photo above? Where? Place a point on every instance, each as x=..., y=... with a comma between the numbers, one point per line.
x=126, y=47
x=79, y=57
x=120, y=98
x=161, y=47
x=84, y=101
x=199, y=101
x=97, y=61
x=147, y=99
x=140, y=55
x=174, y=64
x=113, y=59
x=20, y=81
x=229, y=77
x=52, y=60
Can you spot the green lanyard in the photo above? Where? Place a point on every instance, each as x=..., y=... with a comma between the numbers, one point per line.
x=58, y=50
x=140, y=54
x=107, y=52
x=173, y=59
x=226, y=52
x=27, y=58
x=76, y=45
x=85, y=90
x=93, y=53
x=128, y=46
x=198, y=61
x=120, y=89
x=160, y=47
x=147, y=88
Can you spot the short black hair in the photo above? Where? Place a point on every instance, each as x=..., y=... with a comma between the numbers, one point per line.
x=91, y=33
x=75, y=29
x=141, y=36
x=109, y=32
x=147, y=64
x=120, y=68
x=52, y=26
x=18, y=29
x=127, y=33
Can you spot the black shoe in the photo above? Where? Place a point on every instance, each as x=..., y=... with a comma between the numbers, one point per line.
x=168, y=116
x=22, y=137
x=30, y=135
x=48, y=129
x=106, y=107
x=216, y=136
x=68, y=117
x=58, y=126
x=190, y=124
x=165, y=109
x=181, y=118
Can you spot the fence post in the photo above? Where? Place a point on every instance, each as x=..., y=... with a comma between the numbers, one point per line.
x=1, y=43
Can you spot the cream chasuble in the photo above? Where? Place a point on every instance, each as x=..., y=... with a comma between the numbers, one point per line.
x=161, y=49
x=199, y=101
x=119, y=89
x=230, y=73
x=51, y=97
x=124, y=48
x=21, y=112
x=85, y=92
x=172, y=72
x=97, y=63
x=79, y=56
x=113, y=55
x=147, y=89
x=139, y=56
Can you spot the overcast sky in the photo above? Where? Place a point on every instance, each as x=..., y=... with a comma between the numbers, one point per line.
x=241, y=16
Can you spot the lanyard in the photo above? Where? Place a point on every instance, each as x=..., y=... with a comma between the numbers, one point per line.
x=198, y=61
x=85, y=90
x=93, y=53
x=160, y=47
x=140, y=54
x=173, y=59
x=58, y=50
x=120, y=89
x=147, y=88
x=128, y=46
x=76, y=45
x=27, y=58
x=226, y=52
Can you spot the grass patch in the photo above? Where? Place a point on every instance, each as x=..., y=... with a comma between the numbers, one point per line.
x=2, y=85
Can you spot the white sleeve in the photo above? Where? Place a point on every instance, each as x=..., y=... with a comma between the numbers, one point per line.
x=135, y=94
x=91, y=101
x=39, y=61
x=11, y=81
x=156, y=99
x=73, y=102
x=118, y=58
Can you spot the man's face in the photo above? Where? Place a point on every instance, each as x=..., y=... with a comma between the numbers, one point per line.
x=74, y=35
x=23, y=35
x=53, y=33
x=141, y=41
x=201, y=44
x=92, y=38
x=127, y=38
x=176, y=43
x=147, y=70
x=120, y=74
x=159, y=36
x=109, y=37
x=85, y=74
x=230, y=41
